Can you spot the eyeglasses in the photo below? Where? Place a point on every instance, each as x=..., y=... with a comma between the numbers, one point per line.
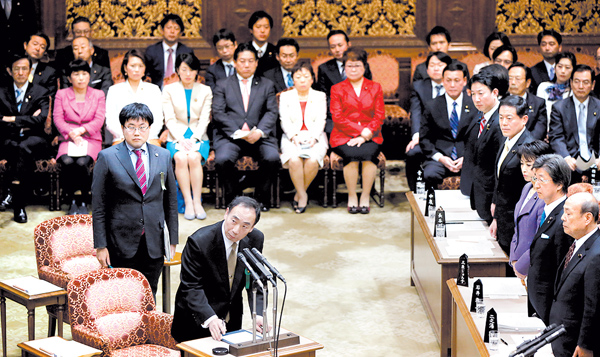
x=133, y=129
x=535, y=179
x=354, y=66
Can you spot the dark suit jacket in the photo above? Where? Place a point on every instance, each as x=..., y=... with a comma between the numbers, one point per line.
x=537, y=124
x=16, y=29
x=268, y=60
x=47, y=77
x=229, y=114
x=436, y=134
x=527, y=221
x=420, y=95
x=121, y=212
x=214, y=73
x=100, y=78
x=548, y=248
x=576, y=305
x=35, y=98
x=507, y=190
x=275, y=75
x=65, y=55
x=421, y=71
x=204, y=289
x=155, y=60
x=564, y=137
x=539, y=75
x=479, y=164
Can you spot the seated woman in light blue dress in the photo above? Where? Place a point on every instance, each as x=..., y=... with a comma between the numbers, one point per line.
x=186, y=106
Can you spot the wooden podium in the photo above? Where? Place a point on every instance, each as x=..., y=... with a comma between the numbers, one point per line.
x=203, y=347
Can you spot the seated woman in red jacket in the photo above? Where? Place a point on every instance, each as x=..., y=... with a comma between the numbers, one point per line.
x=357, y=111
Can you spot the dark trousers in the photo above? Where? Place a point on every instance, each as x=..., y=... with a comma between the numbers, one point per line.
x=414, y=158
x=435, y=172
x=75, y=175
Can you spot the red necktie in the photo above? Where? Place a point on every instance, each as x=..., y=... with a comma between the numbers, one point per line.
x=569, y=255
x=481, y=125
x=140, y=170
x=245, y=94
x=169, y=70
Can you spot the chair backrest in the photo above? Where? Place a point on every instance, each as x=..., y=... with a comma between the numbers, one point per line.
x=113, y=303
x=417, y=60
x=115, y=68
x=529, y=58
x=472, y=59
x=319, y=60
x=385, y=69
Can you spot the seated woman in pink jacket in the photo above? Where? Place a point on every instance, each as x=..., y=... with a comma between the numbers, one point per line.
x=78, y=116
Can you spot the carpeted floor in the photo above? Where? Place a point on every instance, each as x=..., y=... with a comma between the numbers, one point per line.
x=348, y=275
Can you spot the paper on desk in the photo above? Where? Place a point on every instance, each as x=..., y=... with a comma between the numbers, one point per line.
x=519, y=322
x=239, y=336
x=466, y=226
x=502, y=287
x=475, y=239
x=461, y=215
x=582, y=165
x=63, y=348
x=459, y=248
x=32, y=285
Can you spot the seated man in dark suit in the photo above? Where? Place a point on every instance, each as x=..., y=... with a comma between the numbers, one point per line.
x=438, y=40
x=245, y=112
x=519, y=80
x=444, y=127
x=332, y=72
x=42, y=74
x=23, y=108
x=209, y=301
x=81, y=26
x=225, y=43
x=423, y=92
x=160, y=57
x=100, y=77
x=577, y=287
x=544, y=71
x=597, y=78
x=574, y=122
x=260, y=25
x=287, y=55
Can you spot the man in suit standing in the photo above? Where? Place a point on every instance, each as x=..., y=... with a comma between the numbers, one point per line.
x=225, y=44
x=100, y=77
x=519, y=81
x=577, y=287
x=509, y=178
x=41, y=73
x=438, y=40
x=287, y=56
x=209, y=298
x=574, y=122
x=245, y=112
x=550, y=243
x=260, y=25
x=18, y=19
x=23, y=110
x=160, y=57
x=81, y=26
x=550, y=45
x=134, y=199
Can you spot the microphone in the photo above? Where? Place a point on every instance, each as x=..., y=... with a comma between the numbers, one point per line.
x=259, y=266
x=560, y=330
x=266, y=262
x=242, y=258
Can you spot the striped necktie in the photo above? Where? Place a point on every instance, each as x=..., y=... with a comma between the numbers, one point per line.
x=454, y=128
x=140, y=170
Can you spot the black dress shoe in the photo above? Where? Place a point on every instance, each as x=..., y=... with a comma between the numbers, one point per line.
x=73, y=208
x=20, y=215
x=365, y=210
x=353, y=210
x=264, y=208
x=83, y=209
x=6, y=202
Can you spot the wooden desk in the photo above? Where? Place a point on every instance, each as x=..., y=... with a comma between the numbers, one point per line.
x=56, y=343
x=30, y=302
x=431, y=266
x=467, y=328
x=203, y=347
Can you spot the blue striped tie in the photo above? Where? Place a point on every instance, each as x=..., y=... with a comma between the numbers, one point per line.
x=454, y=127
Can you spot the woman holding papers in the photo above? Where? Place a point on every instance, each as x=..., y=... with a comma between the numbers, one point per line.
x=187, y=105
x=78, y=116
x=303, y=111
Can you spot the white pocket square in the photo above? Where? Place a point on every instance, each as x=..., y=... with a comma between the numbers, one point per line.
x=96, y=81
x=545, y=236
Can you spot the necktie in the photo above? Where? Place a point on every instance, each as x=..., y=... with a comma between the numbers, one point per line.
x=438, y=90
x=482, y=122
x=584, y=152
x=343, y=72
x=454, y=128
x=18, y=98
x=229, y=68
x=551, y=73
x=169, y=70
x=140, y=170
x=543, y=218
x=245, y=94
x=231, y=261
x=7, y=7
x=502, y=157
x=290, y=81
x=569, y=255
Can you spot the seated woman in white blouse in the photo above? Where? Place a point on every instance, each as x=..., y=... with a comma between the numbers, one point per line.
x=560, y=88
x=303, y=111
x=133, y=90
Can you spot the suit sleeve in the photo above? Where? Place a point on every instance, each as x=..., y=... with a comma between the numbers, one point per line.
x=42, y=102
x=170, y=203
x=540, y=130
x=52, y=83
x=270, y=112
x=152, y=65
x=59, y=117
x=590, y=323
x=99, y=201
x=210, y=78
x=379, y=111
x=557, y=133
x=204, y=115
x=416, y=111
x=106, y=78
x=176, y=128
x=220, y=114
x=349, y=127
x=95, y=125
x=426, y=133
x=322, y=86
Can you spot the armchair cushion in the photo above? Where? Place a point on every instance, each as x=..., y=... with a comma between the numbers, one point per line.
x=146, y=351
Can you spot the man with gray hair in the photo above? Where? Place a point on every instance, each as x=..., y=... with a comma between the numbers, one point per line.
x=550, y=244
x=577, y=288
x=100, y=76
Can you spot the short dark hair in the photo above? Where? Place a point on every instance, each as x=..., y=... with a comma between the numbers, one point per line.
x=528, y=74
x=337, y=32
x=190, y=59
x=438, y=30
x=78, y=65
x=517, y=102
x=303, y=65
x=492, y=37
x=246, y=46
x=17, y=56
x=583, y=68
x=223, y=34
x=533, y=150
x=135, y=111
x=355, y=54
x=172, y=17
x=442, y=56
x=248, y=202
x=42, y=35
x=504, y=48
x=287, y=42
x=131, y=53
x=257, y=15
x=80, y=19
x=493, y=76
x=552, y=33
x=557, y=168
x=456, y=66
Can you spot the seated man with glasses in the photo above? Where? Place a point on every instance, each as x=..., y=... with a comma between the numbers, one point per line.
x=225, y=44
x=81, y=27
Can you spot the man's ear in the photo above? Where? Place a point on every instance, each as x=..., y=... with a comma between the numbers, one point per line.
x=9, y=71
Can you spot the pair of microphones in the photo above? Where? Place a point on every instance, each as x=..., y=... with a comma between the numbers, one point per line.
x=254, y=259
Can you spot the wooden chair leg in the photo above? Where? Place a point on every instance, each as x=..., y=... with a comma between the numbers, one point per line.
x=51, y=325
x=278, y=191
x=334, y=188
x=217, y=191
x=382, y=188
x=325, y=183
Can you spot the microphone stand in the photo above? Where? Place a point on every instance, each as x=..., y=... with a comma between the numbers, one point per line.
x=254, y=312
x=265, y=323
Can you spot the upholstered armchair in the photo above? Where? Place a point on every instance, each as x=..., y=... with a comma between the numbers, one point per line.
x=113, y=310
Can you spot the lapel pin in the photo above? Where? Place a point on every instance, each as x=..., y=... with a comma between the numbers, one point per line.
x=578, y=255
x=195, y=100
x=156, y=154
x=594, y=113
x=514, y=151
x=467, y=109
x=487, y=127
x=530, y=108
x=550, y=219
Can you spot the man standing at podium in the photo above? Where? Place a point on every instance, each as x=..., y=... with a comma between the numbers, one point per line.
x=209, y=298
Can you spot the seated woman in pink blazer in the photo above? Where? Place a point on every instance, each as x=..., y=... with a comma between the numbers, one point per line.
x=78, y=116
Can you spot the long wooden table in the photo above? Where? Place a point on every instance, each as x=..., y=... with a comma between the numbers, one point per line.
x=467, y=328
x=431, y=265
